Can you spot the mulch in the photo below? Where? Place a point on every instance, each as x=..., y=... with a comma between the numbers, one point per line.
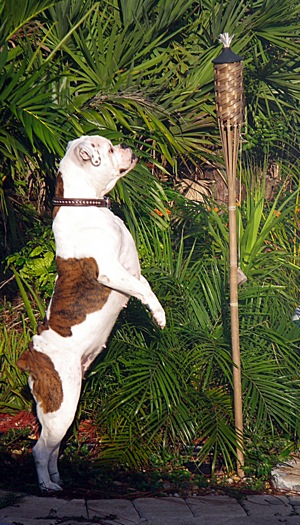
x=21, y=420
x=17, y=470
x=27, y=420
x=83, y=477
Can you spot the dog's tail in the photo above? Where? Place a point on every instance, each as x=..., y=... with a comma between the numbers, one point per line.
x=46, y=383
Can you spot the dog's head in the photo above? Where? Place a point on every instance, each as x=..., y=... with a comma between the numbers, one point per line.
x=101, y=163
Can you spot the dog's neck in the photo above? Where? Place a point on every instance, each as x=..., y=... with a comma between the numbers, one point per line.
x=85, y=192
x=60, y=199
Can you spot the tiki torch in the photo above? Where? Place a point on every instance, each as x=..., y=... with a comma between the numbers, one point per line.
x=228, y=79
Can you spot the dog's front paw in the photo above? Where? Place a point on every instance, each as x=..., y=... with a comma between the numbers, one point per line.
x=159, y=317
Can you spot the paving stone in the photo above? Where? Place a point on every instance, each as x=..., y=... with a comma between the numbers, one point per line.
x=171, y=520
x=273, y=500
x=123, y=512
x=292, y=520
x=176, y=511
x=245, y=520
x=268, y=520
x=33, y=505
x=294, y=501
x=214, y=506
x=179, y=520
x=46, y=509
x=266, y=506
x=29, y=521
x=162, y=508
x=24, y=521
x=199, y=510
x=74, y=507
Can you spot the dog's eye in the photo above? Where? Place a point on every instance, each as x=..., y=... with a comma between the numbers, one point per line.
x=111, y=149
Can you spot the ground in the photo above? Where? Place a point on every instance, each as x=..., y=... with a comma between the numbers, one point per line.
x=84, y=477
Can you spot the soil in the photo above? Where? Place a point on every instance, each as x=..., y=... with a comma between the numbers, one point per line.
x=85, y=478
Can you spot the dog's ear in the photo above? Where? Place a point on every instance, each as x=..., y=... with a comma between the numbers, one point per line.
x=89, y=153
x=84, y=153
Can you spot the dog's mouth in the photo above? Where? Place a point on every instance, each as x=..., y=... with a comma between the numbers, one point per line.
x=133, y=162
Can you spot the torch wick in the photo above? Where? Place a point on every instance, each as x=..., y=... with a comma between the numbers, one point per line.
x=225, y=39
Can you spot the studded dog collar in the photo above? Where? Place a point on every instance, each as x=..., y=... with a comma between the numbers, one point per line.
x=100, y=203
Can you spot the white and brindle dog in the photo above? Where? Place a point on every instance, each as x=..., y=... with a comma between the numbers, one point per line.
x=97, y=272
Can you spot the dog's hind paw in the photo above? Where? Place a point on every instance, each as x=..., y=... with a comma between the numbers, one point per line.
x=56, y=479
x=50, y=487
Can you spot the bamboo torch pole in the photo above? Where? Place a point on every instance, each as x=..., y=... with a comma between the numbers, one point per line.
x=230, y=112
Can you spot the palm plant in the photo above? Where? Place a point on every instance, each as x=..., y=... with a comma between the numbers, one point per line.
x=14, y=392
x=141, y=72
x=265, y=230
x=169, y=391
x=31, y=124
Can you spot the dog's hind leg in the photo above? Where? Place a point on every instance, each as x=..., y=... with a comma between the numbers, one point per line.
x=56, y=395
x=46, y=451
x=45, y=455
x=54, y=427
x=53, y=467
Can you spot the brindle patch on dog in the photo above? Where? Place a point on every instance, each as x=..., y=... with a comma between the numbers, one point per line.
x=77, y=293
x=47, y=387
x=59, y=191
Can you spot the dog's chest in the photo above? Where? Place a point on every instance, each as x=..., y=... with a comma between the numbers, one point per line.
x=82, y=308
x=92, y=232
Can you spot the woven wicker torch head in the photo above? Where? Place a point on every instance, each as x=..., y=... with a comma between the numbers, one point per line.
x=228, y=78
